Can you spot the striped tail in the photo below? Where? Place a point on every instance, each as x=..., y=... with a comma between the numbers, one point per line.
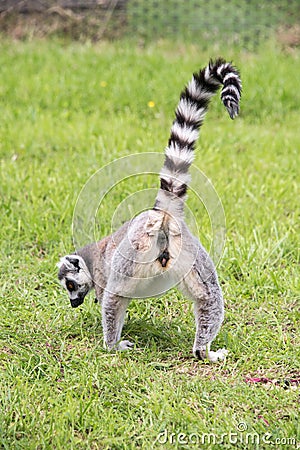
x=190, y=114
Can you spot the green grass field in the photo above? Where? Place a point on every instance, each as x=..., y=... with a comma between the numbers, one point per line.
x=68, y=109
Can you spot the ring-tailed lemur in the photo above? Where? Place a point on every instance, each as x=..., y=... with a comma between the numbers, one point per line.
x=156, y=250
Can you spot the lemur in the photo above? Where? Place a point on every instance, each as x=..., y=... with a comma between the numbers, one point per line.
x=156, y=248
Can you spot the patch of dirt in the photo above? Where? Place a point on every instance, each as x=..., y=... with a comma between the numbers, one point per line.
x=93, y=24
x=289, y=37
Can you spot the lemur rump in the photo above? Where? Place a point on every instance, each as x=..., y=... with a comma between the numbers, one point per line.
x=156, y=250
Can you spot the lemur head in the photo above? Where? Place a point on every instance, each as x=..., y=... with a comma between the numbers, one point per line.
x=75, y=277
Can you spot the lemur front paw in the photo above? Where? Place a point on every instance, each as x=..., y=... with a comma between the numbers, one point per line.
x=219, y=355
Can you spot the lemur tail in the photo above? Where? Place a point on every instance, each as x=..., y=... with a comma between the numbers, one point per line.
x=190, y=114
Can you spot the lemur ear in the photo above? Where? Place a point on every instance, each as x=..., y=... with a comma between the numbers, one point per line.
x=74, y=261
x=70, y=263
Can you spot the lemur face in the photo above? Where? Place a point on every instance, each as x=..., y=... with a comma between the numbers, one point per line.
x=75, y=277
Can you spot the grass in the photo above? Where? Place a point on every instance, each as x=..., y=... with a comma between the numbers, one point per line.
x=68, y=109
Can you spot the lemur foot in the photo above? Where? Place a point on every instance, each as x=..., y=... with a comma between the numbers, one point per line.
x=119, y=347
x=219, y=355
x=125, y=345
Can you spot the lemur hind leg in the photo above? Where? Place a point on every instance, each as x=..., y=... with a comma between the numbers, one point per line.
x=113, y=315
x=201, y=285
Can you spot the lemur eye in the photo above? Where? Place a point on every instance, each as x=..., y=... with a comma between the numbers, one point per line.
x=71, y=285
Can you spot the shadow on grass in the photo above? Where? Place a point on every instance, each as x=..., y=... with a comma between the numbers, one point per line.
x=159, y=333
x=162, y=334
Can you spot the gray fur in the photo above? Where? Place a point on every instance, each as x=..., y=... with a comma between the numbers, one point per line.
x=156, y=251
